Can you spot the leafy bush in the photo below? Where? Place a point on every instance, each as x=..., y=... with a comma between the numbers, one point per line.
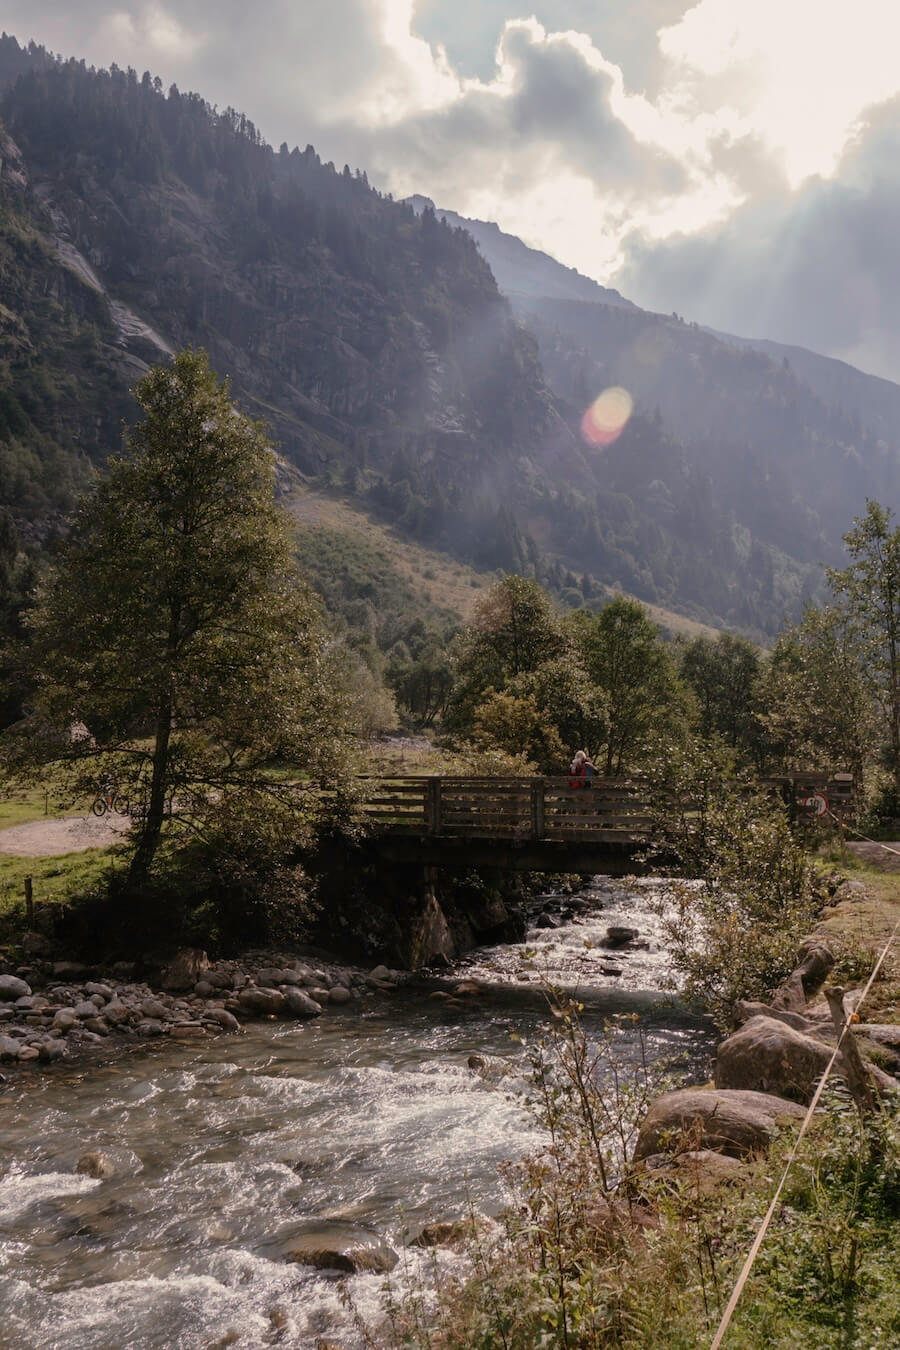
x=734, y=934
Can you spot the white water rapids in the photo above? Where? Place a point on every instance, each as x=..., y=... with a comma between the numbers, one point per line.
x=368, y=1116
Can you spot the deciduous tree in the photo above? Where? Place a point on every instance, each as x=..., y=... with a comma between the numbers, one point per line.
x=174, y=627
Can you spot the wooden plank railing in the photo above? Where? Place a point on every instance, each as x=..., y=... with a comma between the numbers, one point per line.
x=609, y=810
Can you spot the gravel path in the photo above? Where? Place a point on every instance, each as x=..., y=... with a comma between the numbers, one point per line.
x=71, y=834
x=876, y=856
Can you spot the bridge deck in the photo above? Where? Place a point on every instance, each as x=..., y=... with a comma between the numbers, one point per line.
x=552, y=824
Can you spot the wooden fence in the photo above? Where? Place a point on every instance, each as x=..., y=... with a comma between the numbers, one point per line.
x=609, y=810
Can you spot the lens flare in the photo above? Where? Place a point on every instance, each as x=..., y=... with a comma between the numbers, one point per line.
x=606, y=418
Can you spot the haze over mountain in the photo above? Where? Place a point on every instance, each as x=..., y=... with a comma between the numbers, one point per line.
x=377, y=346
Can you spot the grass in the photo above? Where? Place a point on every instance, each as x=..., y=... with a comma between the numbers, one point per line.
x=54, y=881
x=20, y=806
x=866, y=921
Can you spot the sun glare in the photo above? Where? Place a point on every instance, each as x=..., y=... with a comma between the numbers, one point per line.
x=607, y=417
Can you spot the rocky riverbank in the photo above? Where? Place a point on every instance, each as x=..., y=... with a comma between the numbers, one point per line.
x=59, y=1010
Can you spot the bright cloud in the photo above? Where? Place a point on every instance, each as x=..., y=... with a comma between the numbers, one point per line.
x=795, y=73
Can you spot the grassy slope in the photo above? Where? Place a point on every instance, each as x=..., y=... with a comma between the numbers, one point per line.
x=435, y=578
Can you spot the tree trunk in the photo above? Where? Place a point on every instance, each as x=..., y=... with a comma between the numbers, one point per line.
x=151, y=831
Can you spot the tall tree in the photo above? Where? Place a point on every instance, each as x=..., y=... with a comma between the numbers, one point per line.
x=626, y=659
x=816, y=698
x=174, y=628
x=514, y=631
x=723, y=674
x=870, y=587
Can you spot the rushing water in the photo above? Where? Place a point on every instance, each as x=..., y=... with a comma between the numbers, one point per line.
x=365, y=1117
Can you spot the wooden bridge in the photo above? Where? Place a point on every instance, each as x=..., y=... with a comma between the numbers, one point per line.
x=536, y=824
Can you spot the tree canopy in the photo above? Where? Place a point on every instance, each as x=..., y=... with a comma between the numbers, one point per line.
x=174, y=632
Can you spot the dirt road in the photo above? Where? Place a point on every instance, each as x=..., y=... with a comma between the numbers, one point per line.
x=71, y=834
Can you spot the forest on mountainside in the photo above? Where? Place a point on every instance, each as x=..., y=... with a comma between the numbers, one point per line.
x=377, y=348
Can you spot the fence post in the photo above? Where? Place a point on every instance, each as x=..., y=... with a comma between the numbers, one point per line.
x=29, y=902
x=433, y=806
x=537, y=809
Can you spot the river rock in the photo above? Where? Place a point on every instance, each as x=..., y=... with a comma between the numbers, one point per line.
x=266, y=1002
x=732, y=1122
x=790, y=996
x=69, y=970
x=65, y=1019
x=339, y=993
x=610, y=970
x=701, y=1169
x=85, y=1009
x=150, y=1026
x=52, y=1049
x=152, y=1008
x=226, y=1020
x=300, y=1004
x=816, y=961
x=97, y=1025
x=617, y=935
x=766, y=1055
x=744, y=1009
x=102, y=1164
x=185, y=969
x=9, y=1048
x=219, y=979
x=326, y=1247
x=28, y=1054
x=203, y=989
x=380, y=974
x=93, y=988
x=11, y=988
x=116, y=1012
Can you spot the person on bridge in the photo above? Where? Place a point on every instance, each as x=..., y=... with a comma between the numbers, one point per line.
x=581, y=770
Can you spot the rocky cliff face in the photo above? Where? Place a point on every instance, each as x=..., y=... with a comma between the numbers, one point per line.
x=357, y=330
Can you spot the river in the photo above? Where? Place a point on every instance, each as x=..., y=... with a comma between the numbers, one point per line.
x=368, y=1116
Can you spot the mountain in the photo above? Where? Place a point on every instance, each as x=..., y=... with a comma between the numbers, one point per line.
x=520, y=270
x=374, y=341
x=781, y=442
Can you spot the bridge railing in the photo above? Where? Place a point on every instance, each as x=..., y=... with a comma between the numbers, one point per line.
x=608, y=810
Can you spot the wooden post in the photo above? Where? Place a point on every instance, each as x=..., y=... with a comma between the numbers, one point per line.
x=537, y=809
x=29, y=902
x=433, y=806
x=862, y=1089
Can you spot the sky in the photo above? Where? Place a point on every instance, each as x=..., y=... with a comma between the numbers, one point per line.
x=734, y=161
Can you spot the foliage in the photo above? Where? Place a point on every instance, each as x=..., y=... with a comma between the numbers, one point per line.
x=594, y=1254
x=818, y=708
x=625, y=659
x=870, y=589
x=516, y=724
x=723, y=675
x=733, y=930
x=196, y=662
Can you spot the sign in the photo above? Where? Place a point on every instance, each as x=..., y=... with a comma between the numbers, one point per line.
x=814, y=805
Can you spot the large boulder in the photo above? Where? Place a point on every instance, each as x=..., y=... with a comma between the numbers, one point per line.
x=185, y=969
x=766, y=1055
x=732, y=1122
x=701, y=1170
x=11, y=988
x=790, y=996
x=618, y=935
x=264, y=1002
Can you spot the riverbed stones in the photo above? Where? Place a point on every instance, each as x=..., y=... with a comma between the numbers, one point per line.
x=300, y=1004
x=9, y=1048
x=727, y=1121
x=185, y=969
x=150, y=1026
x=618, y=935
x=154, y=1009
x=339, y=993
x=222, y=1018
x=264, y=1002
x=11, y=988
x=766, y=1055
x=359, y=1255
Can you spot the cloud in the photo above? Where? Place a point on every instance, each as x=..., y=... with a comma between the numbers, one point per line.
x=714, y=157
x=818, y=266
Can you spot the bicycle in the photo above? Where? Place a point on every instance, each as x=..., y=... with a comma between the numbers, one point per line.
x=114, y=805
